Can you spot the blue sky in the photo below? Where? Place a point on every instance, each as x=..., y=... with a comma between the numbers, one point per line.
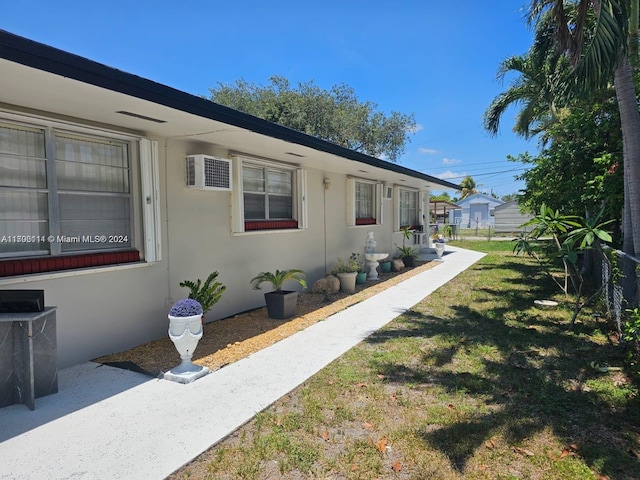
x=434, y=59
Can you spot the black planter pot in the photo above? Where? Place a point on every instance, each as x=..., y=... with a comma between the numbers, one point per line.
x=409, y=261
x=281, y=304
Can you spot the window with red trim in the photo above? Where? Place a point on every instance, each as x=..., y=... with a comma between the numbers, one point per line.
x=267, y=196
x=365, y=203
x=268, y=193
x=65, y=199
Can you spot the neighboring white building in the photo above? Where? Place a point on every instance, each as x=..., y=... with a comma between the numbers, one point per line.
x=476, y=211
x=114, y=189
x=509, y=218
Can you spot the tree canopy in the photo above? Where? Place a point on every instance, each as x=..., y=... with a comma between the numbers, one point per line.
x=335, y=115
x=580, y=169
x=567, y=100
x=586, y=114
x=600, y=39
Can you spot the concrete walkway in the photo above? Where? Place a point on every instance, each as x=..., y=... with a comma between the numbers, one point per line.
x=108, y=423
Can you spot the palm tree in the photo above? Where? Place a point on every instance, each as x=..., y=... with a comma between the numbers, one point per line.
x=468, y=185
x=539, y=88
x=600, y=50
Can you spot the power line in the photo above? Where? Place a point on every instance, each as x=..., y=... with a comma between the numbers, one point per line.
x=488, y=173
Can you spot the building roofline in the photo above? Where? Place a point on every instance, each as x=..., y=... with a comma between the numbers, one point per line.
x=50, y=59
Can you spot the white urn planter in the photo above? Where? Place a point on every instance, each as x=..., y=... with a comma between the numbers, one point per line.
x=185, y=332
x=439, y=246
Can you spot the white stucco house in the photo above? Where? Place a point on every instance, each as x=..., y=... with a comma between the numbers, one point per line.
x=476, y=211
x=114, y=189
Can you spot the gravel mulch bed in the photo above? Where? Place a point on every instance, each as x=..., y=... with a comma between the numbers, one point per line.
x=231, y=339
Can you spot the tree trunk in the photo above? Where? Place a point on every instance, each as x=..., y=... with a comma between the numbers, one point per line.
x=628, y=266
x=630, y=124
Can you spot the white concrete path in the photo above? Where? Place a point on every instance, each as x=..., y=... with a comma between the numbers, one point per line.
x=108, y=423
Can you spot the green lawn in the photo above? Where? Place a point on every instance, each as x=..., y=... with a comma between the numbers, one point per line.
x=473, y=383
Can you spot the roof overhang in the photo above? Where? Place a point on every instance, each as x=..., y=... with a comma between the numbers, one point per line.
x=41, y=79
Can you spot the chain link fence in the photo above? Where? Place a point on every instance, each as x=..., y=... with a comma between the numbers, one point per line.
x=617, y=273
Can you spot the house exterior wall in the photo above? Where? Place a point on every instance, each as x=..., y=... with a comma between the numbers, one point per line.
x=508, y=217
x=109, y=309
x=477, y=211
x=200, y=239
x=122, y=141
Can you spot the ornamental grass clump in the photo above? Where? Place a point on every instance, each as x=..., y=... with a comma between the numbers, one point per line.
x=187, y=307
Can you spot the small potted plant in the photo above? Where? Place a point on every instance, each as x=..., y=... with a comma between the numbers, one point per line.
x=207, y=293
x=385, y=265
x=407, y=253
x=185, y=331
x=281, y=304
x=346, y=271
x=361, y=277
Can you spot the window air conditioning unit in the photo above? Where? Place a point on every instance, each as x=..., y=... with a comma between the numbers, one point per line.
x=205, y=172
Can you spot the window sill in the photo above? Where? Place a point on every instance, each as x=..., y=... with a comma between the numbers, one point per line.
x=268, y=232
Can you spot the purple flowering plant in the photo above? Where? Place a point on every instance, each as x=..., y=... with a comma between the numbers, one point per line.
x=187, y=307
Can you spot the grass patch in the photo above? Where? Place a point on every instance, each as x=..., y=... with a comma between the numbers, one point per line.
x=474, y=382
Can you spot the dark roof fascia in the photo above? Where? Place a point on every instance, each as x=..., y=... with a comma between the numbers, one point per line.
x=49, y=59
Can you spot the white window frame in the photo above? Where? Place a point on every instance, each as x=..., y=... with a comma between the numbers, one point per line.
x=419, y=206
x=299, y=189
x=150, y=195
x=351, y=201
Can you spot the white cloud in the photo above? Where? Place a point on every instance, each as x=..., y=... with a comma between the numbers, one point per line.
x=447, y=175
x=416, y=128
x=450, y=161
x=427, y=151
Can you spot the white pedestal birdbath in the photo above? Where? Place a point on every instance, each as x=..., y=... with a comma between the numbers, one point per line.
x=371, y=257
x=372, y=262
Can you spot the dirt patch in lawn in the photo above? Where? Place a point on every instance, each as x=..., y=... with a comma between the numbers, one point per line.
x=231, y=339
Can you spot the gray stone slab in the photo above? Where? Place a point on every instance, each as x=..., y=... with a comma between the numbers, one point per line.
x=28, y=357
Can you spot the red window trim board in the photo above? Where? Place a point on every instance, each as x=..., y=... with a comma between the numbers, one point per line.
x=270, y=225
x=365, y=221
x=26, y=266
